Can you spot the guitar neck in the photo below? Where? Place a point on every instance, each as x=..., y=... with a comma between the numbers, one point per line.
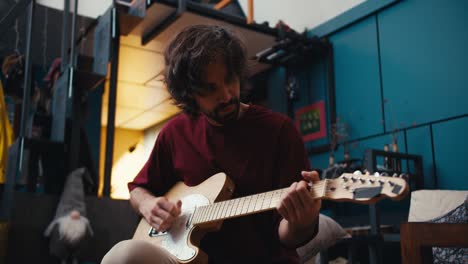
x=248, y=205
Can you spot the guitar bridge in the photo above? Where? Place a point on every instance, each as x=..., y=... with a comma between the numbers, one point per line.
x=155, y=233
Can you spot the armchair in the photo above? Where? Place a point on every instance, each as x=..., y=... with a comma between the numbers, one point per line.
x=420, y=234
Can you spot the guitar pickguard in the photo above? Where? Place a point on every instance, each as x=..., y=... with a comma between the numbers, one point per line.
x=176, y=239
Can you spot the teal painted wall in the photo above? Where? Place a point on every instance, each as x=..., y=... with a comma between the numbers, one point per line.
x=401, y=68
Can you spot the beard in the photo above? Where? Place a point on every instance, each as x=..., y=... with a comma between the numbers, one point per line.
x=72, y=230
x=220, y=114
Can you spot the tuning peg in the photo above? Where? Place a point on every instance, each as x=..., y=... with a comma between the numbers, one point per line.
x=404, y=176
x=358, y=172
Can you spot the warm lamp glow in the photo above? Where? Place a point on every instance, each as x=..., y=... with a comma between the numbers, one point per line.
x=125, y=169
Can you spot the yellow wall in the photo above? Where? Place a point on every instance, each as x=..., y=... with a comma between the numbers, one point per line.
x=123, y=140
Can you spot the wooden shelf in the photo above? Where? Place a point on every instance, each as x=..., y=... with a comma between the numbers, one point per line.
x=163, y=20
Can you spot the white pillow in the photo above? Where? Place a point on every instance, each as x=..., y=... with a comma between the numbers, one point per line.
x=329, y=233
x=429, y=204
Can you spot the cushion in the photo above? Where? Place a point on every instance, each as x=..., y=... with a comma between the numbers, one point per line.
x=328, y=234
x=430, y=204
x=452, y=255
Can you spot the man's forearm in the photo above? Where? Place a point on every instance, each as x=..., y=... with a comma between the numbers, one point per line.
x=293, y=237
x=138, y=196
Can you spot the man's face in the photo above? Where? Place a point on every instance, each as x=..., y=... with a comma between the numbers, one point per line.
x=221, y=105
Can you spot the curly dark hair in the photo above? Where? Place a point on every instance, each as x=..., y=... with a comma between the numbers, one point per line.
x=188, y=54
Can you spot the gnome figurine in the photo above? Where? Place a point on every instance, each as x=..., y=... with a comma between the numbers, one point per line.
x=70, y=227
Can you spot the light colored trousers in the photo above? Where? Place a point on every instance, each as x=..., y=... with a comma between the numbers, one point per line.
x=137, y=252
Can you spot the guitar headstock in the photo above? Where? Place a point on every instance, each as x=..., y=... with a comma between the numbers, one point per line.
x=361, y=188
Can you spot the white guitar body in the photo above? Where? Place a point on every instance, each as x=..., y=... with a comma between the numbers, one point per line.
x=176, y=240
x=181, y=239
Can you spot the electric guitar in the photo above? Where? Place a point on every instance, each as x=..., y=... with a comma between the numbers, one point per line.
x=205, y=206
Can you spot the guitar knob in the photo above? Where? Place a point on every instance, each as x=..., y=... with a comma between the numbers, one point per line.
x=377, y=174
x=358, y=172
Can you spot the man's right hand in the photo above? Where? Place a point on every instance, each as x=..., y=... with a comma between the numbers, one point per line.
x=160, y=213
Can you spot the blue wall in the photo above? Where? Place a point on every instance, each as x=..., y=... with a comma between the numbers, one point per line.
x=402, y=68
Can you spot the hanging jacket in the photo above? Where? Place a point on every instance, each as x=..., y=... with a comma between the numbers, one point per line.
x=6, y=135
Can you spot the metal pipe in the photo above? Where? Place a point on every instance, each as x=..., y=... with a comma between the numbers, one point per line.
x=112, y=103
x=7, y=21
x=27, y=74
x=66, y=13
x=73, y=33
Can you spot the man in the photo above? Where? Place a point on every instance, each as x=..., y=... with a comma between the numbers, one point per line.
x=258, y=149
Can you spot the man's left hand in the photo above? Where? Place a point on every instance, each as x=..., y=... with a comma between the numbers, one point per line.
x=300, y=210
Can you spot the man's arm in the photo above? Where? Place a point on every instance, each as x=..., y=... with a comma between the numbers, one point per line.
x=159, y=212
x=300, y=212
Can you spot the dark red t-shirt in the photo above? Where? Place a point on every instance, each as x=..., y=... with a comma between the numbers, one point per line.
x=262, y=151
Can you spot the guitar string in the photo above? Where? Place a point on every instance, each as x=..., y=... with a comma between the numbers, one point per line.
x=211, y=212
x=241, y=202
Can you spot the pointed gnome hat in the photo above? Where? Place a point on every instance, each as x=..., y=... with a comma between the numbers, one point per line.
x=73, y=195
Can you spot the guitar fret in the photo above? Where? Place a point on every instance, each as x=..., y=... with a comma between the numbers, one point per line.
x=219, y=206
x=201, y=211
x=251, y=209
x=247, y=201
x=266, y=201
x=215, y=211
x=272, y=199
x=198, y=211
x=277, y=197
x=205, y=212
x=226, y=209
x=220, y=210
x=195, y=215
x=259, y=201
x=239, y=208
x=210, y=213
